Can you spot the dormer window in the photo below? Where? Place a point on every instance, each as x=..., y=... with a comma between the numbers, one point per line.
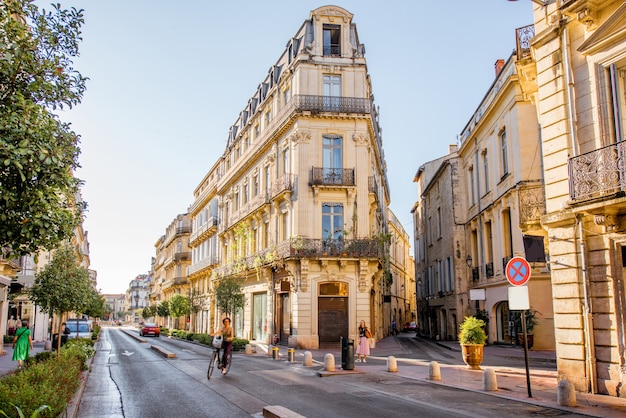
x=332, y=40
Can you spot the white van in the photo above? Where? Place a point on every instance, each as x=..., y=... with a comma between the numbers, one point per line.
x=79, y=328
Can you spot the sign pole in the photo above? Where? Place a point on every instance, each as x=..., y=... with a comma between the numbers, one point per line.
x=530, y=395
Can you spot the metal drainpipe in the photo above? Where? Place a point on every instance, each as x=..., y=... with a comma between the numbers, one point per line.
x=569, y=91
x=588, y=314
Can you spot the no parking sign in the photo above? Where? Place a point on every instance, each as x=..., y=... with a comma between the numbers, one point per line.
x=517, y=271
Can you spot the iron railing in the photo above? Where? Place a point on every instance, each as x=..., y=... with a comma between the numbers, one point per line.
x=489, y=269
x=598, y=173
x=312, y=103
x=332, y=176
x=505, y=261
x=475, y=274
x=523, y=36
x=532, y=204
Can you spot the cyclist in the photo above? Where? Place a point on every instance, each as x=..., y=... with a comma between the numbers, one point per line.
x=228, y=335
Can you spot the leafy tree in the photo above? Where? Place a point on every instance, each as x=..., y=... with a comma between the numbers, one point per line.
x=120, y=314
x=149, y=312
x=228, y=296
x=107, y=312
x=163, y=310
x=179, y=305
x=63, y=285
x=38, y=152
x=95, y=307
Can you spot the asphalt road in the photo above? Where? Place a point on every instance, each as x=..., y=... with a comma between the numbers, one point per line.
x=128, y=379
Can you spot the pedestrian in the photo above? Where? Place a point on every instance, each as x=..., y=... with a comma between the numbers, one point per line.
x=11, y=326
x=22, y=344
x=363, y=349
x=394, y=328
x=228, y=336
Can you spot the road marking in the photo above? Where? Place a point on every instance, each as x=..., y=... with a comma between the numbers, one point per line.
x=127, y=353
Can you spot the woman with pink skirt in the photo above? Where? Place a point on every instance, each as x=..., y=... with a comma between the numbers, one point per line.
x=363, y=349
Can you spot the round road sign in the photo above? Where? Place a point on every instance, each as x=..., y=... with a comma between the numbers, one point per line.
x=517, y=271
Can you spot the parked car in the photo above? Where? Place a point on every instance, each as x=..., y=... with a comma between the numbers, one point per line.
x=410, y=327
x=149, y=328
x=79, y=328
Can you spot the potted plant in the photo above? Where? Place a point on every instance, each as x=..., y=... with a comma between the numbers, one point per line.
x=531, y=322
x=472, y=338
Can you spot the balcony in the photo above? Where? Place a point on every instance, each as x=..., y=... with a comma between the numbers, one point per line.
x=182, y=256
x=599, y=173
x=332, y=176
x=282, y=184
x=184, y=229
x=203, y=264
x=489, y=269
x=532, y=205
x=505, y=261
x=475, y=274
x=176, y=281
x=208, y=227
x=305, y=102
x=523, y=36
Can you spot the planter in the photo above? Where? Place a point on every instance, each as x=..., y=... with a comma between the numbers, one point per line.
x=531, y=339
x=472, y=355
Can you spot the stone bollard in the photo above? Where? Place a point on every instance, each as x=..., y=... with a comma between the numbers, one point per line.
x=329, y=363
x=565, y=393
x=490, y=382
x=308, y=359
x=275, y=353
x=47, y=345
x=392, y=364
x=434, y=373
x=248, y=348
x=291, y=355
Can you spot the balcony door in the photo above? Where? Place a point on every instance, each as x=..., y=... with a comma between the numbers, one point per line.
x=332, y=159
x=332, y=93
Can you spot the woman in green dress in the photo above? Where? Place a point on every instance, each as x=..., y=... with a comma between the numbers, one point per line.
x=22, y=344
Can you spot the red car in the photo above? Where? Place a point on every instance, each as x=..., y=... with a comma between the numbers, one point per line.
x=149, y=329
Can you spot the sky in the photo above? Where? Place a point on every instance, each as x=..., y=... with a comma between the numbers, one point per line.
x=168, y=79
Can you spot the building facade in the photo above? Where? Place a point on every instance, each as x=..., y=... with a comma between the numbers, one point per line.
x=296, y=209
x=137, y=297
x=573, y=63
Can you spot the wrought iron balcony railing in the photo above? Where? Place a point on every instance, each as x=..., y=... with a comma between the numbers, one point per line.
x=211, y=261
x=184, y=229
x=505, y=261
x=598, y=173
x=306, y=102
x=183, y=255
x=206, y=228
x=475, y=274
x=523, y=36
x=489, y=269
x=532, y=204
x=332, y=176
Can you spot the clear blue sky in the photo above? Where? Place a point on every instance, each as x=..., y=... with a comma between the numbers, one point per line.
x=167, y=79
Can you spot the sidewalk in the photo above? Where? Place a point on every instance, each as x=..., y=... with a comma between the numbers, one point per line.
x=511, y=381
x=7, y=364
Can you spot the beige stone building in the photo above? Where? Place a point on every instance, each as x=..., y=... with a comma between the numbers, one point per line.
x=478, y=208
x=169, y=275
x=296, y=209
x=573, y=65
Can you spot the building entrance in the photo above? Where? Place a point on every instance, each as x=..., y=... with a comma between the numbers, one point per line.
x=332, y=313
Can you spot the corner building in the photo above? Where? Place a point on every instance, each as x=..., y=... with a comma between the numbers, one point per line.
x=296, y=208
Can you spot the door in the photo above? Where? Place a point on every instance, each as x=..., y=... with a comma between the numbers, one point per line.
x=284, y=317
x=332, y=319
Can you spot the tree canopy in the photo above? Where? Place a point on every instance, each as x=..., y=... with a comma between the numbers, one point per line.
x=228, y=296
x=179, y=305
x=63, y=285
x=39, y=204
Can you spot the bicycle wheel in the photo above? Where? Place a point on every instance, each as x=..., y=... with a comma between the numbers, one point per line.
x=230, y=361
x=214, y=360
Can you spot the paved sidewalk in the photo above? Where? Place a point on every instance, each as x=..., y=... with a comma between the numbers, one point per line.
x=511, y=380
x=7, y=364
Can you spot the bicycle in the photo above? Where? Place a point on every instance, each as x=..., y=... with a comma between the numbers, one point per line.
x=215, y=360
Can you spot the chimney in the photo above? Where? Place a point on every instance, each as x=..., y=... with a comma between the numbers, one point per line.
x=498, y=66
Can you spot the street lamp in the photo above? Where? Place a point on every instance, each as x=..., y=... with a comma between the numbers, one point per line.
x=468, y=260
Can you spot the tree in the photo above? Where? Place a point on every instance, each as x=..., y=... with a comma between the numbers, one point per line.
x=228, y=296
x=63, y=285
x=179, y=305
x=163, y=310
x=95, y=307
x=38, y=153
x=149, y=312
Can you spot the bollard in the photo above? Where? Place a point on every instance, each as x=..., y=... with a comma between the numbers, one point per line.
x=275, y=353
x=248, y=348
x=291, y=355
x=308, y=359
x=329, y=363
x=392, y=364
x=434, y=373
x=490, y=383
x=565, y=394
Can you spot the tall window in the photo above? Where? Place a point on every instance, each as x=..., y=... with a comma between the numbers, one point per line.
x=284, y=230
x=504, y=153
x=471, y=186
x=486, y=170
x=266, y=235
x=332, y=220
x=255, y=185
x=245, y=196
x=267, y=178
x=332, y=40
x=439, y=223
x=332, y=159
x=332, y=93
x=507, y=241
x=284, y=169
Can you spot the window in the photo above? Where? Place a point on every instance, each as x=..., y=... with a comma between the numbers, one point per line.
x=266, y=235
x=267, y=178
x=486, y=170
x=268, y=117
x=332, y=221
x=332, y=40
x=332, y=159
x=284, y=167
x=236, y=200
x=245, y=193
x=287, y=95
x=284, y=230
x=331, y=99
x=450, y=275
x=257, y=131
x=439, y=223
x=471, y=186
x=504, y=153
x=255, y=185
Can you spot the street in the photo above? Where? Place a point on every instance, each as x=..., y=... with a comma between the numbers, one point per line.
x=129, y=379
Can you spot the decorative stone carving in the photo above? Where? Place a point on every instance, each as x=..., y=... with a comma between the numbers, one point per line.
x=361, y=138
x=300, y=136
x=304, y=275
x=363, y=270
x=608, y=221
